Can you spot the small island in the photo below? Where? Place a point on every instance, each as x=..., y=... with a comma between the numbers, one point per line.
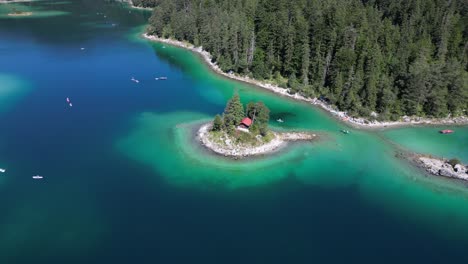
x=16, y=12
x=20, y=14
x=242, y=133
x=452, y=168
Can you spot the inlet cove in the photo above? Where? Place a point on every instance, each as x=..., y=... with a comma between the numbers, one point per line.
x=119, y=127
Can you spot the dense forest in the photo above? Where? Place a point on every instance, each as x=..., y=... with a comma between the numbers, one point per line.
x=394, y=58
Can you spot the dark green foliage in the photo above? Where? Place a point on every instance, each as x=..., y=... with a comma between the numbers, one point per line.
x=399, y=57
x=217, y=123
x=263, y=114
x=251, y=110
x=260, y=114
x=234, y=111
x=146, y=3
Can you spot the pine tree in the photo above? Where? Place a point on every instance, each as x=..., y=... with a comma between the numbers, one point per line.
x=217, y=123
x=234, y=111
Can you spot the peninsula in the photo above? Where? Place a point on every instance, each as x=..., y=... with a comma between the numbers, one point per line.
x=238, y=133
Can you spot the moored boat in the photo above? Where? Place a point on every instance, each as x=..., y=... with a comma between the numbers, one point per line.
x=446, y=131
x=37, y=177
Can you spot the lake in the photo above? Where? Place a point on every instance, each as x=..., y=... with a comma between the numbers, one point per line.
x=126, y=182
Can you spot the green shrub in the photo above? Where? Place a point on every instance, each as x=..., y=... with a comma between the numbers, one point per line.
x=454, y=162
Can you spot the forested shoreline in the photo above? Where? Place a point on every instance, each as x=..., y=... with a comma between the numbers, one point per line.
x=394, y=58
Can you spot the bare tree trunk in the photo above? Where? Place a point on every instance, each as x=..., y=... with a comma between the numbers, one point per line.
x=251, y=50
x=327, y=65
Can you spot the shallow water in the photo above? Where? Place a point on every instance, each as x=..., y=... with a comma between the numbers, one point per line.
x=125, y=182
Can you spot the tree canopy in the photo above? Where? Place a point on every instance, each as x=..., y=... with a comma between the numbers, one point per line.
x=400, y=57
x=234, y=113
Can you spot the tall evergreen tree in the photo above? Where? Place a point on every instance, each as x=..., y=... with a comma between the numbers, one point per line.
x=234, y=111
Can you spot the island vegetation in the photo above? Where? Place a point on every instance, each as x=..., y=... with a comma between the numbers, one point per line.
x=377, y=59
x=243, y=126
x=242, y=132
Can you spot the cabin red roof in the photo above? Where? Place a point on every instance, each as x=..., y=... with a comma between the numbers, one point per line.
x=246, y=121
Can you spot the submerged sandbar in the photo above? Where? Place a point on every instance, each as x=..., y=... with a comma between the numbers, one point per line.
x=16, y=14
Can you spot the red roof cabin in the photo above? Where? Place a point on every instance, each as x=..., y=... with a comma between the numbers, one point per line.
x=246, y=122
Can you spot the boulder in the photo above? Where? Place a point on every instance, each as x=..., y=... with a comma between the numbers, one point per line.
x=460, y=168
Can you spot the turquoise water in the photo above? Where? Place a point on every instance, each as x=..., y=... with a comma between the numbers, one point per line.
x=429, y=141
x=125, y=181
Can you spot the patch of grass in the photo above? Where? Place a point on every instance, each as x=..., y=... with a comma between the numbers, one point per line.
x=269, y=137
x=217, y=137
x=248, y=139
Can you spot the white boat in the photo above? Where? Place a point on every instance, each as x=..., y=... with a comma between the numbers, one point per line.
x=71, y=104
x=2, y=170
x=280, y=120
x=157, y=79
x=37, y=177
x=82, y=48
x=68, y=100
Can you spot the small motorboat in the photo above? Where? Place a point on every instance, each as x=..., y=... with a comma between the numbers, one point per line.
x=446, y=131
x=163, y=78
x=70, y=104
x=157, y=79
x=2, y=170
x=82, y=48
x=134, y=80
x=345, y=131
x=280, y=120
x=37, y=177
x=68, y=100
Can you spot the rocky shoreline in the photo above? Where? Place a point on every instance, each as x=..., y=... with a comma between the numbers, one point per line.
x=442, y=167
x=130, y=3
x=227, y=148
x=342, y=116
x=439, y=166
